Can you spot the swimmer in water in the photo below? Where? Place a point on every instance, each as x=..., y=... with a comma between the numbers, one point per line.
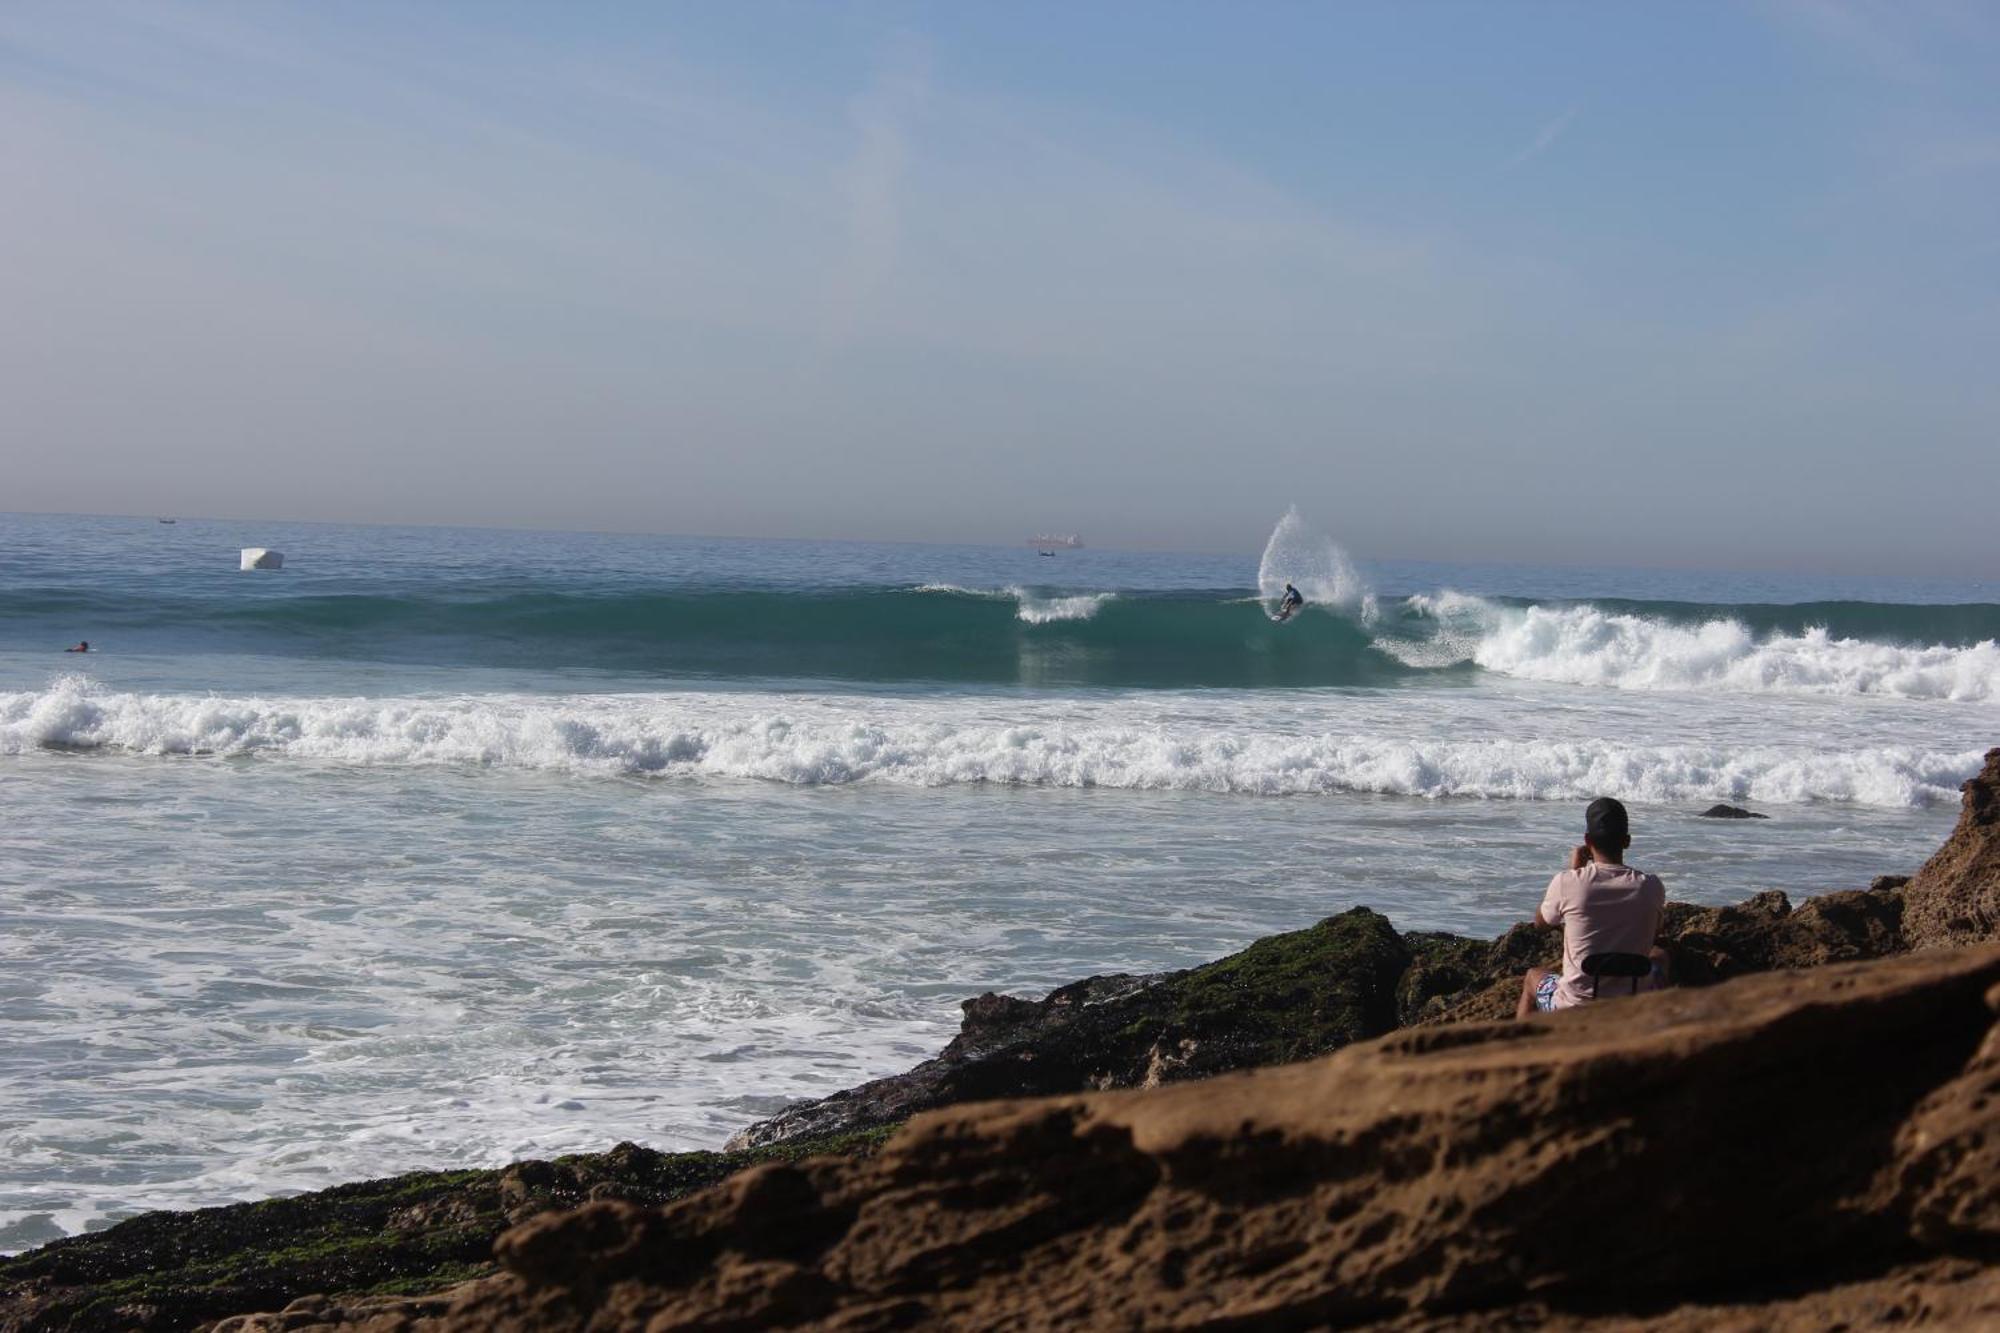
x=83, y=646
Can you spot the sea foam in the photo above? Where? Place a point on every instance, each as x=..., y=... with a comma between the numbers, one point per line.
x=809, y=741
x=1322, y=571
x=1586, y=645
x=1029, y=607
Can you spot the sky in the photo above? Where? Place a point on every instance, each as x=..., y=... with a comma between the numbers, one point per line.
x=1685, y=284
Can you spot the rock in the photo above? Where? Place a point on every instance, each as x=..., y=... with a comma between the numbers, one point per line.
x=1729, y=812
x=399, y=1238
x=1794, y=1149
x=1348, y=978
x=1954, y=898
x=1287, y=997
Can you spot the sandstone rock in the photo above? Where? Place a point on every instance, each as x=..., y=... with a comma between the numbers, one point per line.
x=1621, y=1158
x=1955, y=897
x=412, y=1233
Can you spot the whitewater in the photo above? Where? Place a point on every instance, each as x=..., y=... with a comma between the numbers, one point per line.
x=447, y=847
x=1586, y=645
x=1170, y=742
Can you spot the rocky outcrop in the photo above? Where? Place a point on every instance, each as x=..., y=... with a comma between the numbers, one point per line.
x=1306, y=993
x=1288, y=997
x=1708, y=945
x=1352, y=976
x=1795, y=1149
x=387, y=1237
x=1955, y=897
x=1729, y=812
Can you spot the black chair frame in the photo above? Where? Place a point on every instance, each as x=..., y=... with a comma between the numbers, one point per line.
x=1635, y=967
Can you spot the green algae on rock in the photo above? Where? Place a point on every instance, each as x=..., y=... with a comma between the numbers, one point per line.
x=405, y=1235
x=1287, y=997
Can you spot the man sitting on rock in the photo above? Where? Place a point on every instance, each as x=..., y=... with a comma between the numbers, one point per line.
x=1604, y=907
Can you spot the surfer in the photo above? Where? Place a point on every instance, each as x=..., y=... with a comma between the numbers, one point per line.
x=83, y=646
x=1293, y=600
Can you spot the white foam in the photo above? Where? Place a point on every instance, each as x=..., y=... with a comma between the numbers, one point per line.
x=1047, y=610
x=1310, y=560
x=810, y=741
x=1583, y=645
x=1029, y=607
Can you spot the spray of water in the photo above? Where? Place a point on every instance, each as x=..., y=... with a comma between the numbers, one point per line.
x=1306, y=558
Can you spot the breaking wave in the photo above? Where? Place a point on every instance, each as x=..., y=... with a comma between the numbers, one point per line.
x=808, y=741
x=1297, y=555
x=1591, y=644
x=1070, y=637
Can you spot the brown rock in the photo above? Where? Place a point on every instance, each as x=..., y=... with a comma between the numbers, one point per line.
x=1708, y=945
x=1948, y=1155
x=1955, y=897
x=1793, y=1149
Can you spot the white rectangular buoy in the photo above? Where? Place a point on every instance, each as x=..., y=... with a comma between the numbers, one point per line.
x=256, y=557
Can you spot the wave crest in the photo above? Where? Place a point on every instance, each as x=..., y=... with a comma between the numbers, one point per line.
x=1587, y=645
x=1029, y=607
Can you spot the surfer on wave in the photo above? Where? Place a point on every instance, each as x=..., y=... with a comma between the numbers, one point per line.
x=1293, y=600
x=81, y=647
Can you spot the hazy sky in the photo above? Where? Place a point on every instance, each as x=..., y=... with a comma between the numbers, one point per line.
x=1670, y=284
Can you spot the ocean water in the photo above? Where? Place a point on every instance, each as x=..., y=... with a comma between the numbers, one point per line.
x=446, y=847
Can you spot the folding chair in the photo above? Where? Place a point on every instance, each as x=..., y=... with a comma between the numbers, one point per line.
x=1635, y=967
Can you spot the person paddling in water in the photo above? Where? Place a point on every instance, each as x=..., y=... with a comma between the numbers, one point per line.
x=82, y=647
x=1293, y=600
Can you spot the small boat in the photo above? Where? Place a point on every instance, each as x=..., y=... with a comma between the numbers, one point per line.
x=169, y=520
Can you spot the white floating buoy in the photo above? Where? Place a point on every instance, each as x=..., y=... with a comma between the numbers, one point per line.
x=256, y=557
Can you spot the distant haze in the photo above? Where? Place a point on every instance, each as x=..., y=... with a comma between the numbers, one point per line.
x=1673, y=284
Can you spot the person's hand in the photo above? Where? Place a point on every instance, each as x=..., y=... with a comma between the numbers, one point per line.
x=1579, y=856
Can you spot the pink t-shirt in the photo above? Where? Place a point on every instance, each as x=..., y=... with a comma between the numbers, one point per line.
x=1601, y=909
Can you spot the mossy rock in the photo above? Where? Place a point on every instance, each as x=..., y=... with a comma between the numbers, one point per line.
x=1441, y=966
x=1287, y=997
x=405, y=1235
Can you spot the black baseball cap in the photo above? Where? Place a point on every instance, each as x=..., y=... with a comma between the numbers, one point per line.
x=1605, y=822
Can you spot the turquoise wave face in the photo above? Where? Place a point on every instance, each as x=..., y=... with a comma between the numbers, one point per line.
x=1032, y=637
x=862, y=635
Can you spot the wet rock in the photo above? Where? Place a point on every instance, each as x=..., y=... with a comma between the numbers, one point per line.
x=1287, y=997
x=1729, y=812
x=389, y=1241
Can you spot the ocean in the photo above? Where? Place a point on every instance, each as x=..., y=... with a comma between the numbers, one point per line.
x=446, y=847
